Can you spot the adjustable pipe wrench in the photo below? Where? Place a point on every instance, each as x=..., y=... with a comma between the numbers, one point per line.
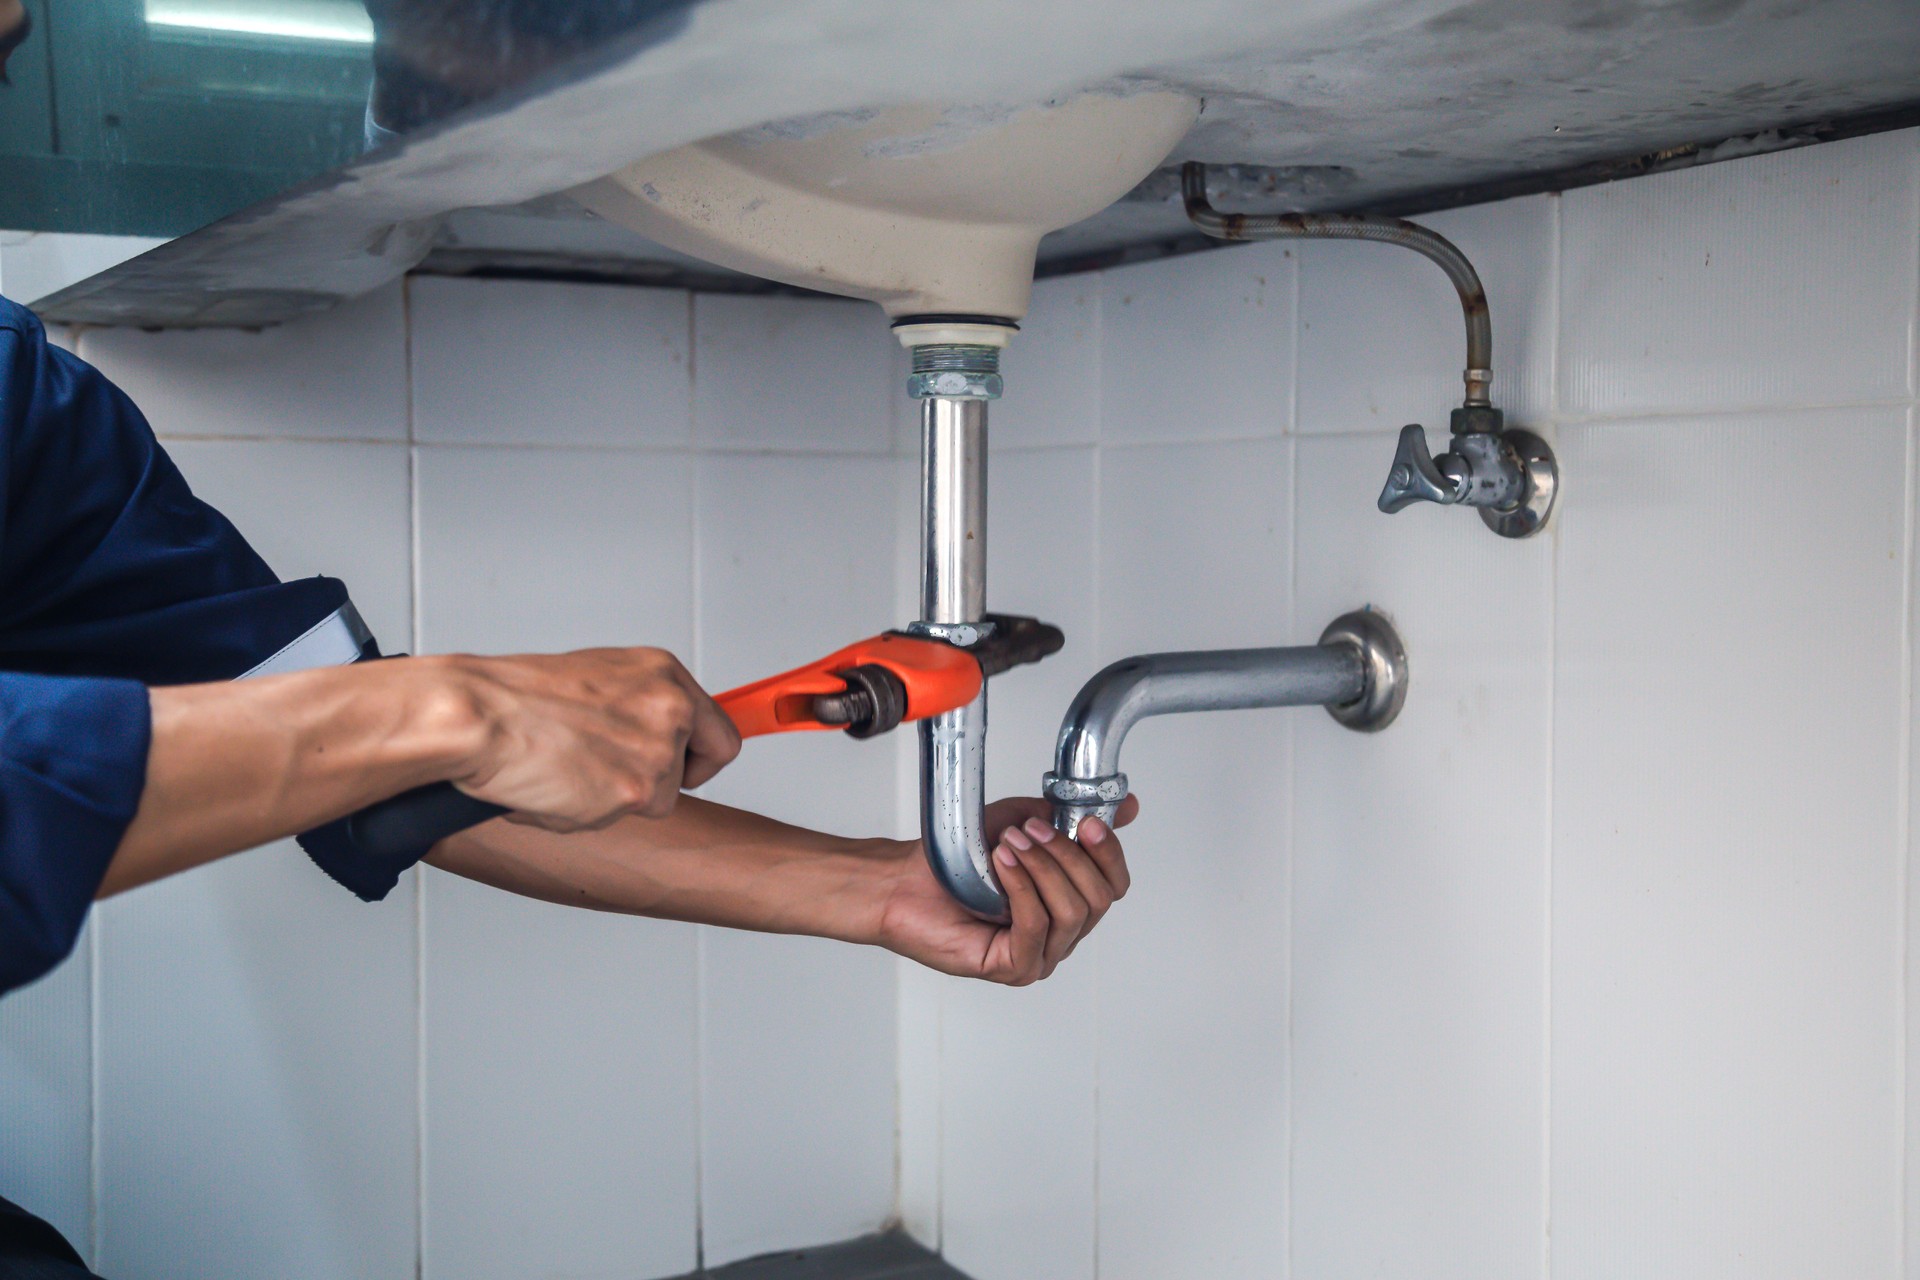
x=865, y=689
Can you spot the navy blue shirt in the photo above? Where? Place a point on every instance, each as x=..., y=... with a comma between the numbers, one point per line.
x=113, y=577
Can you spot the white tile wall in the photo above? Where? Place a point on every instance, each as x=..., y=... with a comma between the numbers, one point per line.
x=1200, y=347
x=1780, y=280
x=1018, y=1173
x=798, y=1038
x=235, y=1138
x=533, y=362
x=338, y=375
x=1605, y=933
x=46, y=1104
x=319, y=508
x=793, y=375
x=559, y=1070
x=1419, y=930
x=1910, y=1209
x=256, y=1082
x=1728, y=861
x=1052, y=368
x=1193, y=966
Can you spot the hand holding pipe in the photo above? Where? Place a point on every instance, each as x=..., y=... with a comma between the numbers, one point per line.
x=865, y=689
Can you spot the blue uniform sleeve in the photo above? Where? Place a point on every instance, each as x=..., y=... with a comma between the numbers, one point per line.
x=113, y=577
x=73, y=757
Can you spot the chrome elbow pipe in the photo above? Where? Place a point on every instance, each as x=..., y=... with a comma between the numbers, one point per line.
x=1358, y=671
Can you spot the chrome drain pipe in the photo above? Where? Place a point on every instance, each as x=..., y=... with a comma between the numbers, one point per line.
x=954, y=378
x=1358, y=671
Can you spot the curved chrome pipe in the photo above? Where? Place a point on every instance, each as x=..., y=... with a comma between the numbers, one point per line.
x=953, y=590
x=1358, y=672
x=1360, y=226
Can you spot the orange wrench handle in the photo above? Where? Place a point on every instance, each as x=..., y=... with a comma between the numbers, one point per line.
x=938, y=677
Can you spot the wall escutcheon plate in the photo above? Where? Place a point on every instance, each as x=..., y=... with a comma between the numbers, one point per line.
x=1383, y=660
x=1543, y=486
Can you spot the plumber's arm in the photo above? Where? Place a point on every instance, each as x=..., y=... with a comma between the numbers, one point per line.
x=567, y=740
x=715, y=865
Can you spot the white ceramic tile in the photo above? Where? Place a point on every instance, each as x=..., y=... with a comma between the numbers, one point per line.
x=803, y=375
x=46, y=1104
x=1419, y=896
x=1199, y=347
x=1912, y=1082
x=918, y=1062
x=799, y=1034
x=1382, y=339
x=1774, y=280
x=560, y=1045
x=798, y=1093
x=1052, y=368
x=256, y=1075
x=903, y=412
x=543, y=550
x=538, y=362
x=921, y=991
x=1193, y=965
x=1018, y=1145
x=338, y=375
x=351, y=515
x=1726, y=922
x=560, y=1089
x=257, y=1022
x=790, y=570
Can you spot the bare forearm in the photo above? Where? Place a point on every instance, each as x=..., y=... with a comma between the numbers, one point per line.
x=705, y=863
x=235, y=765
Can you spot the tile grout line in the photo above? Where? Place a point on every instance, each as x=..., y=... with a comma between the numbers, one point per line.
x=1095, y=590
x=1904, y=980
x=95, y=1232
x=1903, y=866
x=696, y=638
x=1290, y=738
x=415, y=621
x=1913, y=316
x=1553, y=660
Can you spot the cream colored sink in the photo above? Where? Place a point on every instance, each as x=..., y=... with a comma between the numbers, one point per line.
x=926, y=210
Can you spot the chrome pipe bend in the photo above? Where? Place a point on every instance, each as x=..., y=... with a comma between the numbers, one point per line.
x=953, y=590
x=1358, y=671
x=953, y=802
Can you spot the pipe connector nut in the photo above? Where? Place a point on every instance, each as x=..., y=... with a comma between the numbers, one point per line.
x=961, y=635
x=1085, y=792
x=955, y=371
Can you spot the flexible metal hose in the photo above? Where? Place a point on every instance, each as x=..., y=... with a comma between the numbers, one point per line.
x=1360, y=226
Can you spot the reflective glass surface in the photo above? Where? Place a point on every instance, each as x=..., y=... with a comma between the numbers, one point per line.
x=154, y=117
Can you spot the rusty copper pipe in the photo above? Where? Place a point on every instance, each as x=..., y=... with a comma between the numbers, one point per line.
x=1360, y=226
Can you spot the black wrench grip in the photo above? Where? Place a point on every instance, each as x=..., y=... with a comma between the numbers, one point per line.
x=416, y=820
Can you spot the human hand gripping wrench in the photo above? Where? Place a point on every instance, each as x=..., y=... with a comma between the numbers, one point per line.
x=865, y=689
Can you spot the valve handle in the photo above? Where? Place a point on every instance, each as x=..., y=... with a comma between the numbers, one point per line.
x=1416, y=477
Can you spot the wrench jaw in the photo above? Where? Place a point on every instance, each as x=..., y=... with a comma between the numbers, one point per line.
x=875, y=701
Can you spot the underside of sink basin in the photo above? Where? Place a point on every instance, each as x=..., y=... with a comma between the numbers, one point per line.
x=922, y=209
